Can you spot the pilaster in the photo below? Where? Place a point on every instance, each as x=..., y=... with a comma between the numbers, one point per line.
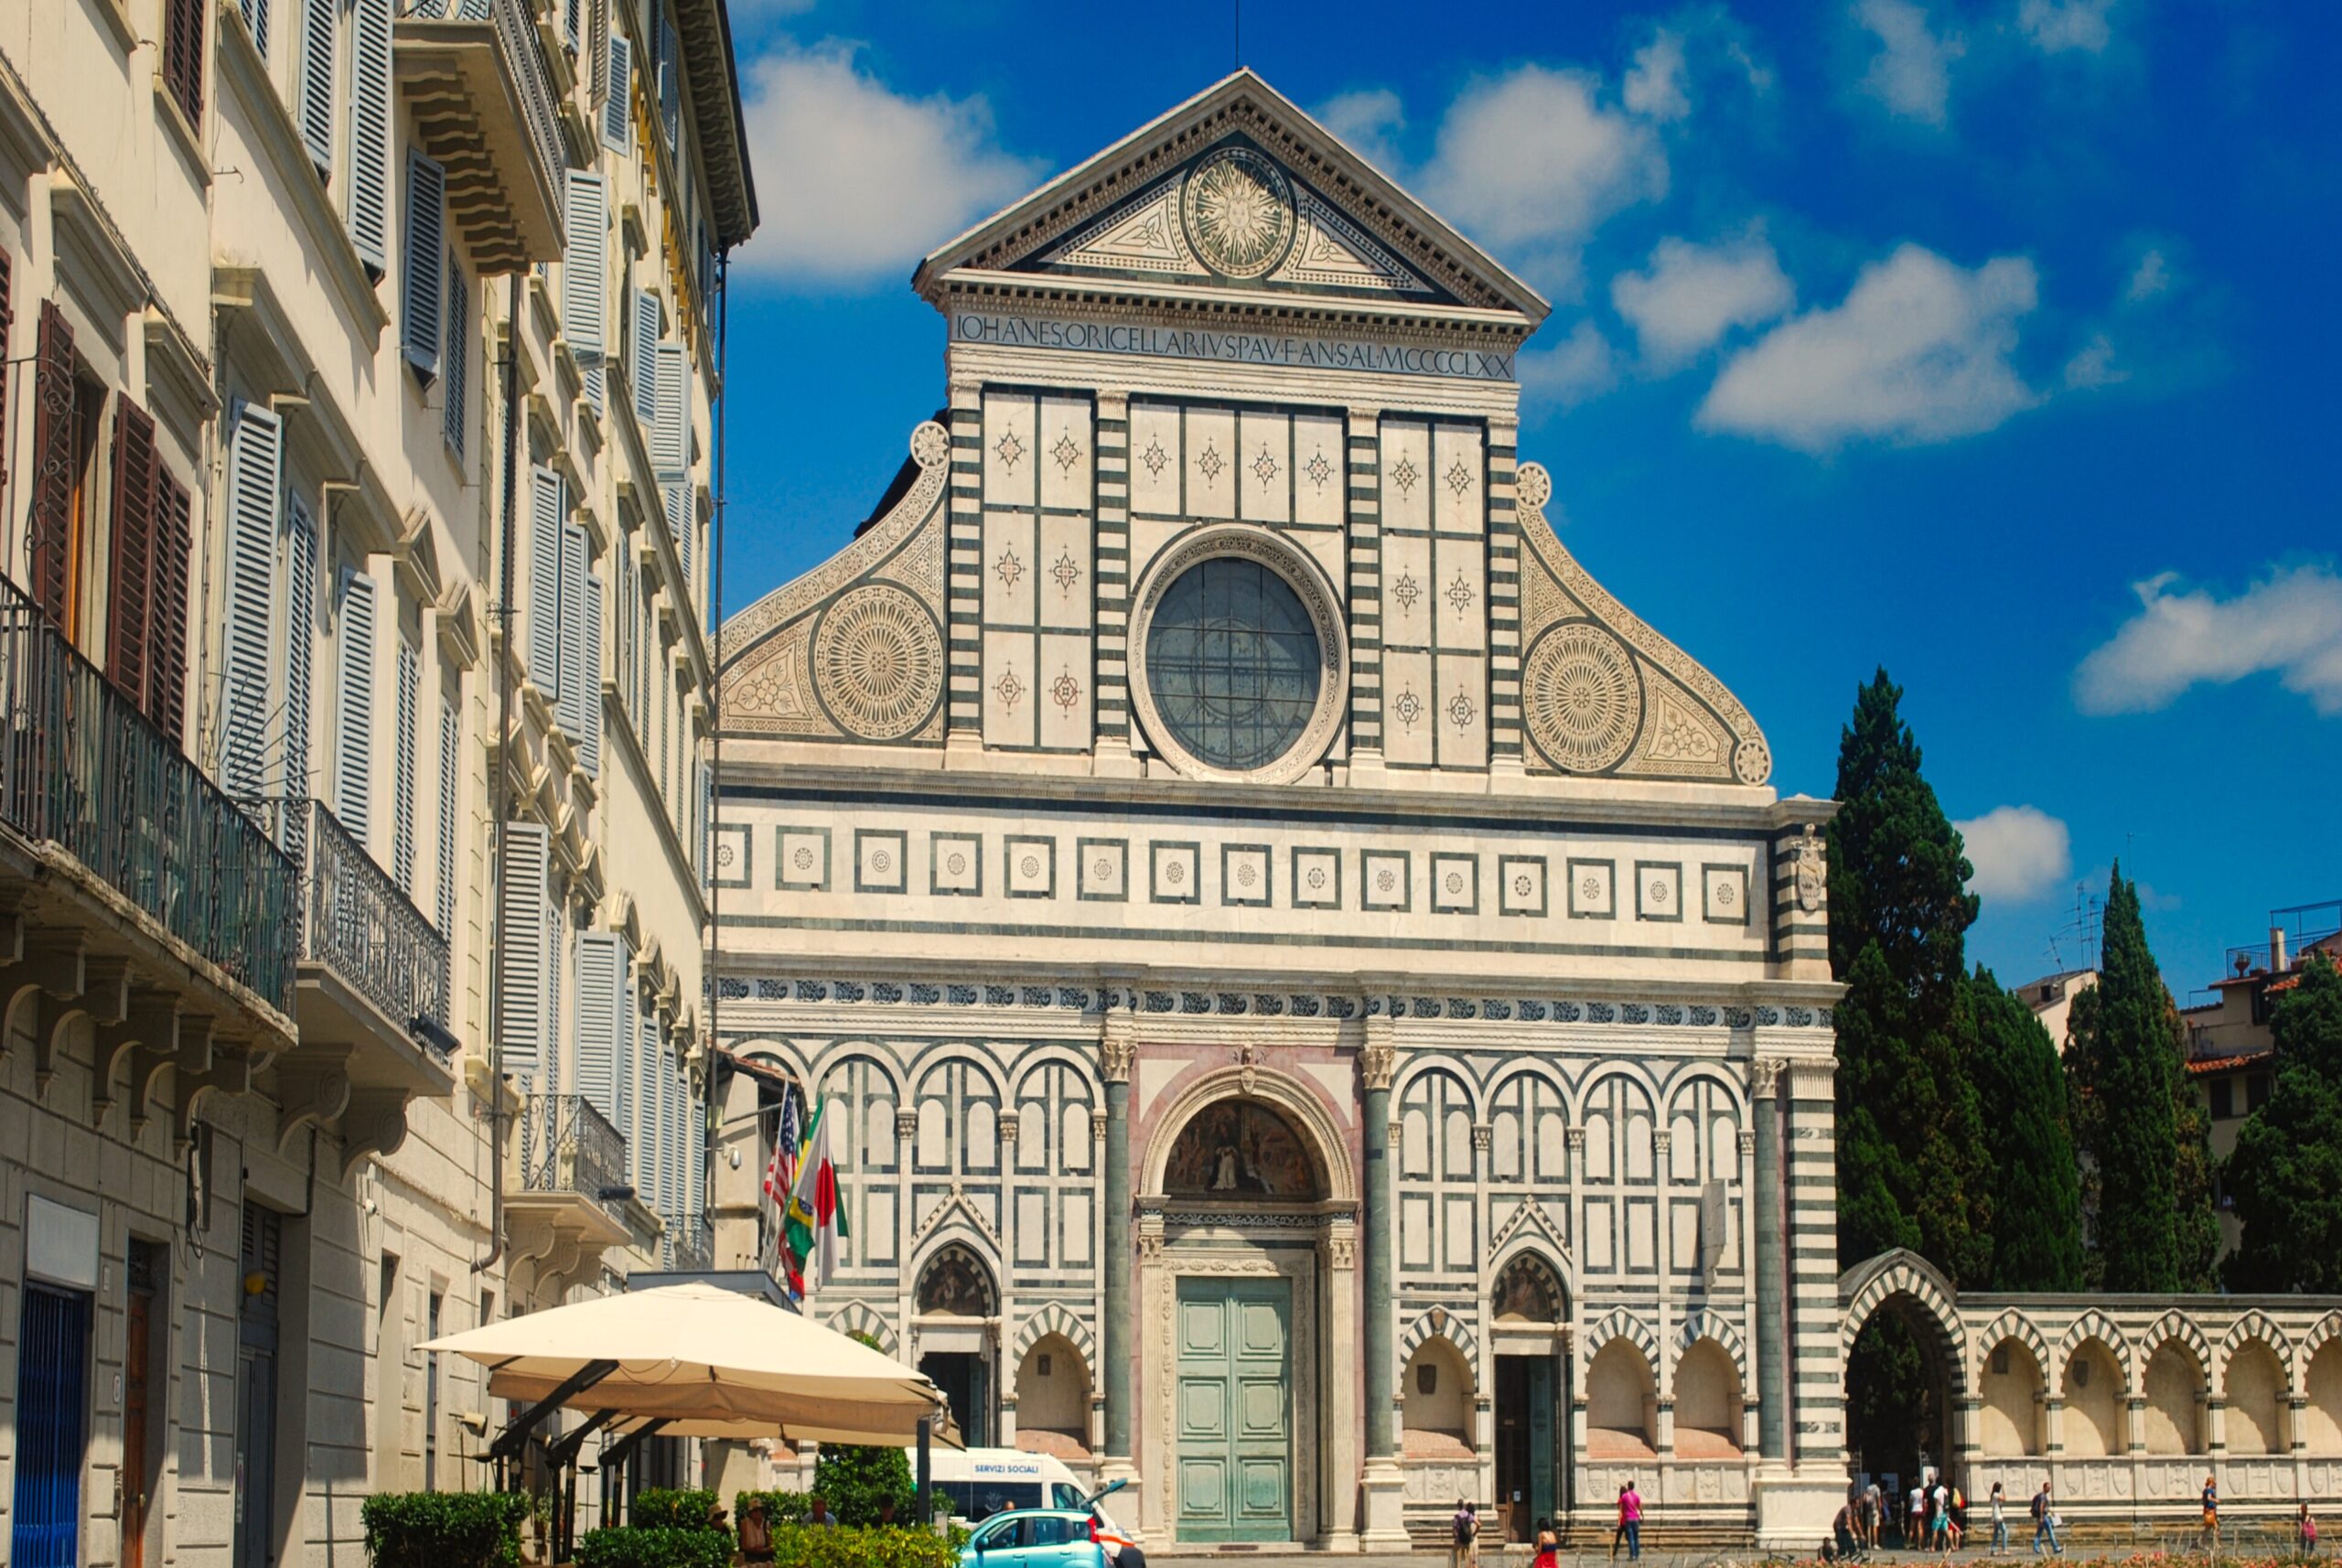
x=1384, y=1487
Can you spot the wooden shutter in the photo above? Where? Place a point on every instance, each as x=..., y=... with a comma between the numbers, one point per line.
x=521, y=970
x=369, y=132
x=174, y=545
x=256, y=23
x=450, y=778
x=600, y=994
x=403, y=767
x=255, y=467
x=321, y=19
x=7, y=326
x=617, y=109
x=677, y=501
x=589, y=734
x=572, y=24
x=131, y=559
x=547, y=509
x=597, y=49
x=353, y=773
x=642, y=357
x=630, y=1026
x=183, y=56
x=598, y=395
x=50, y=539
x=456, y=358
x=569, y=705
x=557, y=937
x=421, y=308
x=670, y=74
x=670, y=443
x=584, y=264
x=300, y=640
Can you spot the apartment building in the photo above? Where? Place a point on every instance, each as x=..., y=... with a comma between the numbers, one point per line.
x=357, y=436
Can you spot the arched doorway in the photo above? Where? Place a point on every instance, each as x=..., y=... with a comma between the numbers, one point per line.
x=1904, y=1372
x=958, y=1308
x=1527, y=1309
x=1247, y=1246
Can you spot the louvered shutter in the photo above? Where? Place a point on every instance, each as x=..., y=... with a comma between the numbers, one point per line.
x=670, y=445
x=175, y=543
x=572, y=23
x=669, y=1154
x=521, y=971
x=255, y=458
x=256, y=23
x=403, y=767
x=50, y=539
x=556, y=939
x=671, y=113
x=130, y=584
x=630, y=1026
x=450, y=778
x=421, y=309
x=369, y=132
x=597, y=49
x=456, y=358
x=353, y=769
x=680, y=515
x=546, y=511
x=569, y=707
x=597, y=395
x=583, y=265
x=319, y=21
x=600, y=992
x=300, y=640
x=641, y=364
x=7, y=326
x=589, y=734
x=183, y=56
x=617, y=109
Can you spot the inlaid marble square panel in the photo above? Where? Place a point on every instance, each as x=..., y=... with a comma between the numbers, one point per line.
x=1244, y=874
x=1724, y=894
x=1522, y=884
x=1317, y=878
x=1029, y=866
x=801, y=859
x=1320, y=479
x=1383, y=880
x=1658, y=890
x=1176, y=872
x=1593, y=889
x=1455, y=884
x=956, y=864
x=1105, y=869
x=880, y=857
x=731, y=845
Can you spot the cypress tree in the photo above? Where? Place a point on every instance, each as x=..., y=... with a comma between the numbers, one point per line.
x=2285, y=1173
x=1912, y=1168
x=2037, y=1189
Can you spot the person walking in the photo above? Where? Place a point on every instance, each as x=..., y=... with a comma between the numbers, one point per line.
x=1868, y=1535
x=2305, y=1531
x=2000, y=1523
x=1630, y=1516
x=1463, y=1537
x=2211, y=1516
x=1939, y=1515
x=1618, y=1525
x=2045, y=1521
x=1915, y=1516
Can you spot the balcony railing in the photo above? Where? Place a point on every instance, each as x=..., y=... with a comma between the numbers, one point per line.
x=482, y=95
x=689, y=1246
x=81, y=769
x=568, y=1147
x=356, y=922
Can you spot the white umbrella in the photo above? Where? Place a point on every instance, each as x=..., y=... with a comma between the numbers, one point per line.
x=698, y=1352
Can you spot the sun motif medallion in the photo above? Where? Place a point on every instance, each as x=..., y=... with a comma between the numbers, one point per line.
x=879, y=660
x=1581, y=699
x=1238, y=212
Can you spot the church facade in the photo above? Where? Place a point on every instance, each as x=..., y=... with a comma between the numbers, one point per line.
x=1326, y=1008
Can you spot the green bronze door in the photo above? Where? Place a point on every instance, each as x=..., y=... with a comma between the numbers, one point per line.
x=1235, y=1410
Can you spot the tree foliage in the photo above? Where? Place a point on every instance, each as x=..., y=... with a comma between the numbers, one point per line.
x=2037, y=1189
x=858, y=1483
x=2284, y=1175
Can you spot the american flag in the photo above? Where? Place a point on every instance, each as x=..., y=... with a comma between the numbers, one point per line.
x=781, y=1178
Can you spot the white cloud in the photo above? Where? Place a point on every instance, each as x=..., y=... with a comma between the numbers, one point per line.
x=2150, y=278
x=2017, y=853
x=1654, y=87
x=1534, y=159
x=1917, y=352
x=2093, y=366
x=1911, y=72
x=2057, y=26
x=1368, y=119
x=1691, y=295
x=2289, y=622
x=1572, y=369
x=864, y=178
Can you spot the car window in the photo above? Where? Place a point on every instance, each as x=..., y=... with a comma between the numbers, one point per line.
x=1065, y=1495
x=1054, y=1529
x=1006, y=1535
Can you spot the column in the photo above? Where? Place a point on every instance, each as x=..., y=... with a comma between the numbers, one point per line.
x=1384, y=1486
x=1115, y=1053
x=1772, y=1350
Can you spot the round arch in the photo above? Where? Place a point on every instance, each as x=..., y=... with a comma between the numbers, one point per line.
x=1906, y=1363
x=1321, y=1138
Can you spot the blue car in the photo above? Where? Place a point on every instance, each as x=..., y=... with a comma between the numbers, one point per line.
x=1035, y=1537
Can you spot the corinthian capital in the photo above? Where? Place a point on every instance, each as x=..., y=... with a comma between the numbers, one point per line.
x=1376, y=1061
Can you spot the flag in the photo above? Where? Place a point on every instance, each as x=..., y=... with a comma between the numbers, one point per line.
x=816, y=1219
x=781, y=1176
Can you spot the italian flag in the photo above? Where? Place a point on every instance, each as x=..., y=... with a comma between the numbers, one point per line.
x=816, y=1217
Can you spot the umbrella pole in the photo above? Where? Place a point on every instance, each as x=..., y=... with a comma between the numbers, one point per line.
x=507, y=1442
x=622, y=1452
x=926, y=1476
x=563, y=1455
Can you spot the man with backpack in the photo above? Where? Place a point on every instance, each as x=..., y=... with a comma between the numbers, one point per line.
x=2045, y=1521
x=1463, y=1537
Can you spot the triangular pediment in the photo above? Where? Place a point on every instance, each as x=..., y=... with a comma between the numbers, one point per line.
x=1237, y=190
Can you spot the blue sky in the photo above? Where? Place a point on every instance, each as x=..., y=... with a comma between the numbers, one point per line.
x=1994, y=341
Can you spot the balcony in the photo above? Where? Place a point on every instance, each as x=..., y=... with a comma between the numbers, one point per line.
x=372, y=968
x=571, y=1198
x=484, y=108
x=689, y=1245
x=123, y=870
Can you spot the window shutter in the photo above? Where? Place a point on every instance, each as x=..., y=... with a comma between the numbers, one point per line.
x=597, y=49
x=183, y=56
x=641, y=364
x=369, y=132
x=569, y=707
x=319, y=21
x=455, y=358
x=572, y=23
x=598, y=395
x=130, y=585
x=556, y=939
x=600, y=994
x=50, y=538
x=450, y=776
x=584, y=266
x=255, y=458
x=353, y=780
x=589, y=737
x=300, y=640
x=617, y=109
x=679, y=515
x=175, y=543
x=402, y=761
x=671, y=114
x=669, y=1151
x=545, y=518
x=7, y=325
x=670, y=444
x=521, y=968
x=256, y=23
x=420, y=275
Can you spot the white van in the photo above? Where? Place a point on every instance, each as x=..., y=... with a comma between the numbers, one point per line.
x=982, y=1481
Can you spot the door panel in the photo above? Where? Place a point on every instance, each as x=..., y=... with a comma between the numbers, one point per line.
x=135, y=1338
x=1235, y=1410
x=52, y=1397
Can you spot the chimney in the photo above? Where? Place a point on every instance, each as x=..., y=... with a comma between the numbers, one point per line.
x=2276, y=949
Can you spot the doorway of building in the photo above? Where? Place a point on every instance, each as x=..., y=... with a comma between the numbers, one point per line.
x=256, y=1323
x=965, y=1377
x=1234, y=1415
x=147, y=1262
x=1528, y=1446
x=52, y=1366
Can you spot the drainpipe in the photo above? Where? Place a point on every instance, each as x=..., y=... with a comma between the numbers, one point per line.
x=723, y=312
x=501, y=790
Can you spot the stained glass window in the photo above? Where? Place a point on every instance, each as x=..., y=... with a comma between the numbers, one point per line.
x=1232, y=662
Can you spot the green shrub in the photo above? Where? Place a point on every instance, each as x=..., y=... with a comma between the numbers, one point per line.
x=654, y=1547
x=812, y=1546
x=780, y=1508
x=656, y=1508
x=444, y=1529
x=856, y=1482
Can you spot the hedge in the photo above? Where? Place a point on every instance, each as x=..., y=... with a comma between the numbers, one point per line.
x=654, y=1547
x=444, y=1529
x=843, y=1546
x=656, y=1508
x=780, y=1508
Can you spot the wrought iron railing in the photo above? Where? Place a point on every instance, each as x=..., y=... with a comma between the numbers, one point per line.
x=566, y=1146
x=518, y=33
x=356, y=922
x=81, y=767
x=689, y=1245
